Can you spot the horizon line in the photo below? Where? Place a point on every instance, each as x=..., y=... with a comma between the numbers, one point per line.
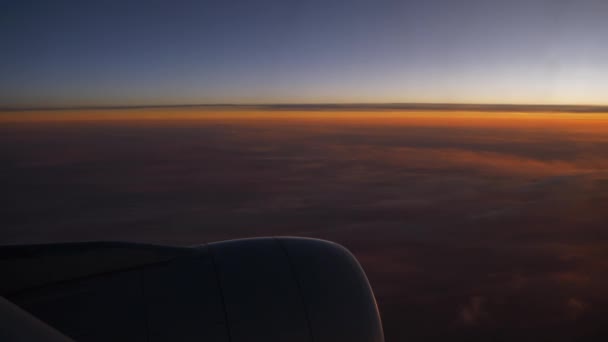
x=332, y=106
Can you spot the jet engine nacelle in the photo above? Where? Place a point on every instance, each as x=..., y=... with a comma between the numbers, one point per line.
x=263, y=289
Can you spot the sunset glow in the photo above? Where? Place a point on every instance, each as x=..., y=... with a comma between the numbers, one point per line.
x=459, y=148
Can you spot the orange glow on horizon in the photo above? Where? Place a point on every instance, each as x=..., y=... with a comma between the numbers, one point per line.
x=595, y=123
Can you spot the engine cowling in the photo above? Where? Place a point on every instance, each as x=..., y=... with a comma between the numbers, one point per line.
x=262, y=289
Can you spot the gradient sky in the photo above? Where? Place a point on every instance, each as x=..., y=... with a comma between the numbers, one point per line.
x=57, y=53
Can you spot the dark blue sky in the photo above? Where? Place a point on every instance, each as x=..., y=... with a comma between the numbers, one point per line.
x=251, y=51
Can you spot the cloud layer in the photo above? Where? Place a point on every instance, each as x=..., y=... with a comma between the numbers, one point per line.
x=469, y=227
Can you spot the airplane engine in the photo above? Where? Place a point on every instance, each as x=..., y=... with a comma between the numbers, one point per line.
x=262, y=289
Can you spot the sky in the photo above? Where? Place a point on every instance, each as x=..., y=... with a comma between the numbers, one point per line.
x=74, y=53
